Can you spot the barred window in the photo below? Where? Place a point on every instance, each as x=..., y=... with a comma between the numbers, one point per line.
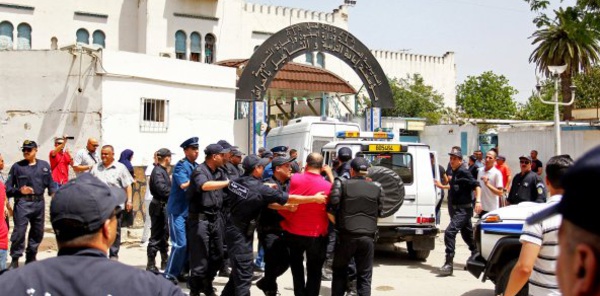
x=154, y=117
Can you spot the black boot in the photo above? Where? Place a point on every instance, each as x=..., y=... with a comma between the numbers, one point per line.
x=30, y=258
x=151, y=266
x=14, y=263
x=351, y=288
x=207, y=288
x=447, y=268
x=163, y=260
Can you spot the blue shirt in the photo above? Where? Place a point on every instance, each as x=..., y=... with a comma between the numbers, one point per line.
x=177, y=203
x=268, y=172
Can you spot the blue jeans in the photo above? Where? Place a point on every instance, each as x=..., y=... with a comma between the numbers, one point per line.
x=3, y=255
x=178, y=245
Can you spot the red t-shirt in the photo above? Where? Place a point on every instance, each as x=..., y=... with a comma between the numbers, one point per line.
x=60, y=167
x=3, y=226
x=309, y=219
x=505, y=173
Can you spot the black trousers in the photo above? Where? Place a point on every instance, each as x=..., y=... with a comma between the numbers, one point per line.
x=315, y=249
x=116, y=246
x=460, y=221
x=159, y=229
x=32, y=213
x=361, y=249
x=277, y=258
x=205, y=250
x=240, y=255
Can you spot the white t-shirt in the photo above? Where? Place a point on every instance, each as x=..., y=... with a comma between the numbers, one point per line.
x=489, y=200
x=545, y=234
x=149, y=168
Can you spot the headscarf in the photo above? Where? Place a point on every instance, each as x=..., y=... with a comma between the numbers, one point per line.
x=125, y=159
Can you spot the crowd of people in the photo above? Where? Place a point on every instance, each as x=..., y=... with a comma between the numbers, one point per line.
x=209, y=212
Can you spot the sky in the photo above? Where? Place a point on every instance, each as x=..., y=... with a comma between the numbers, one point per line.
x=485, y=35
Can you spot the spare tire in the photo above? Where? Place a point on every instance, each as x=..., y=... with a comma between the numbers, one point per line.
x=393, y=187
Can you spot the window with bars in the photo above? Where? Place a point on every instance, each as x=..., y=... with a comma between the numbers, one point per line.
x=154, y=117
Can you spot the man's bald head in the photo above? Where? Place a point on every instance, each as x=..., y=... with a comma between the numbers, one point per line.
x=92, y=145
x=314, y=160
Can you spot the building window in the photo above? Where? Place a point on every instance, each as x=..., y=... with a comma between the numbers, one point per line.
x=99, y=38
x=309, y=58
x=209, y=48
x=195, y=48
x=23, y=36
x=53, y=43
x=321, y=59
x=83, y=36
x=180, y=45
x=6, y=35
x=154, y=117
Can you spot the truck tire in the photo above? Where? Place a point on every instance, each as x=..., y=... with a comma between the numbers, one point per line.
x=420, y=255
x=504, y=275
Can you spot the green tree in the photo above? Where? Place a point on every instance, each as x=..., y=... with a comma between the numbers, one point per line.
x=587, y=94
x=534, y=109
x=486, y=96
x=570, y=38
x=413, y=98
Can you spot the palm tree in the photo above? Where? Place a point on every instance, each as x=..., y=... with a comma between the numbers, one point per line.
x=570, y=39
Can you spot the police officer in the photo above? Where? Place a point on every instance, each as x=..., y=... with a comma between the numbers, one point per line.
x=344, y=157
x=177, y=208
x=268, y=171
x=460, y=207
x=356, y=204
x=248, y=197
x=160, y=187
x=27, y=180
x=270, y=233
x=84, y=216
x=236, y=160
x=205, y=221
x=232, y=174
x=527, y=184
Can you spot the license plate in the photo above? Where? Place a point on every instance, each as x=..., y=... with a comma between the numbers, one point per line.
x=385, y=147
x=418, y=231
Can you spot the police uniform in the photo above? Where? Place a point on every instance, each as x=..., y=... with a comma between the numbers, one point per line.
x=248, y=197
x=270, y=236
x=177, y=210
x=232, y=173
x=160, y=187
x=205, y=225
x=356, y=204
x=527, y=187
x=460, y=207
x=82, y=207
x=268, y=172
x=28, y=208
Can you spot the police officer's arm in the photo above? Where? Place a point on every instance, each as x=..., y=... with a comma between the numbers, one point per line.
x=202, y=181
x=539, y=191
x=214, y=185
x=181, y=176
x=160, y=182
x=12, y=186
x=327, y=170
x=336, y=192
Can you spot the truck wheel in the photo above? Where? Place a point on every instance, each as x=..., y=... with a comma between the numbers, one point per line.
x=504, y=275
x=420, y=255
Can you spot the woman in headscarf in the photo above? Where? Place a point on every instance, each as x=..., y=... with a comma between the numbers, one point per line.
x=125, y=159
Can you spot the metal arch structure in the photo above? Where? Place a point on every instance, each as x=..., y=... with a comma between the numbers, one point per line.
x=298, y=39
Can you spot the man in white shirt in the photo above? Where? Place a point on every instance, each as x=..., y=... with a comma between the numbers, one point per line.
x=539, y=251
x=490, y=181
x=86, y=158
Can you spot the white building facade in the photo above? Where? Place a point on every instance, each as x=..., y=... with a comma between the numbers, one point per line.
x=198, y=30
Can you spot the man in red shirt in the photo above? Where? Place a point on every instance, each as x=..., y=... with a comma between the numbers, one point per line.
x=307, y=227
x=505, y=170
x=60, y=160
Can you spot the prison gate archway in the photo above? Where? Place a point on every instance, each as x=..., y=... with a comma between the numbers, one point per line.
x=297, y=40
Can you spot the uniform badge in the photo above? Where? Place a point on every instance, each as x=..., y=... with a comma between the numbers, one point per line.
x=540, y=190
x=45, y=170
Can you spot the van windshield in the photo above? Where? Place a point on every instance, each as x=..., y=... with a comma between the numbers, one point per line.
x=401, y=163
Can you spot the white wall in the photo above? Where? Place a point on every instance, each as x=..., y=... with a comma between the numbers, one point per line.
x=40, y=100
x=201, y=103
x=441, y=138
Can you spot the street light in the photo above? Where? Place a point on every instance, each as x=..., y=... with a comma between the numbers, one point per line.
x=555, y=72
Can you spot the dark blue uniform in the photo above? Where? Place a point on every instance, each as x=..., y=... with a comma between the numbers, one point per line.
x=83, y=272
x=28, y=208
x=248, y=196
x=460, y=207
x=270, y=235
x=527, y=187
x=160, y=187
x=205, y=229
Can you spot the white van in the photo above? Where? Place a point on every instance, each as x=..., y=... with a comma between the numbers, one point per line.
x=308, y=134
x=414, y=222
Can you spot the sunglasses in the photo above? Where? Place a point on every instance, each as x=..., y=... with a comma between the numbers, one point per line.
x=96, y=145
x=26, y=149
x=524, y=162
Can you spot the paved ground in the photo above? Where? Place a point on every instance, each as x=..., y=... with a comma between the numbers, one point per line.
x=394, y=273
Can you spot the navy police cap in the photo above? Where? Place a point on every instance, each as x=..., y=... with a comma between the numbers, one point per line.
x=191, y=142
